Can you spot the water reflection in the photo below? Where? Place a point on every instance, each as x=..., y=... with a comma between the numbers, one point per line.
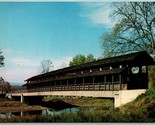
x=5, y=115
x=13, y=114
x=45, y=112
x=67, y=110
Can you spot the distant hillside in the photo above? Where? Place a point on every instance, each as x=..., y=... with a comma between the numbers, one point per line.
x=16, y=84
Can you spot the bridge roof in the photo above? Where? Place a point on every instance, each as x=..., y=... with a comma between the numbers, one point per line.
x=104, y=72
x=134, y=59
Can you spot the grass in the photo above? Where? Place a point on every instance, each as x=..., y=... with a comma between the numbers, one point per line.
x=142, y=109
x=7, y=105
x=84, y=101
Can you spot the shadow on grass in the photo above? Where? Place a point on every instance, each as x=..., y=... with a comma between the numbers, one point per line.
x=57, y=104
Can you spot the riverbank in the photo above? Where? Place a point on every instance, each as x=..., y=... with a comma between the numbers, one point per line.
x=85, y=102
x=7, y=105
x=55, y=103
x=142, y=109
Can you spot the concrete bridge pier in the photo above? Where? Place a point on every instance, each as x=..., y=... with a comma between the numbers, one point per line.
x=126, y=96
x=21, y=98
x=8, y=95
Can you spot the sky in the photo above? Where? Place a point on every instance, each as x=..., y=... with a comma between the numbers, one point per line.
x=33, y=31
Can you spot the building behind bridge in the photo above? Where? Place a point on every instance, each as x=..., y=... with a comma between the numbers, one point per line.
x=125, y=72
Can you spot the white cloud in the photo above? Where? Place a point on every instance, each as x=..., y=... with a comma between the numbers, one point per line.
x=19, y=69
x=6, y=51
x=17, y=74
x=98, y=13
x=61, y=62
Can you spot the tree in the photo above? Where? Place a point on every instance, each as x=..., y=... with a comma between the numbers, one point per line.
x=8, y=87
x=45, y=65
x=4, y=86
x=134, y=31
x=77, y=60
x=1, y=59
x=151, y=77
x=90, y=58
x=81, y=59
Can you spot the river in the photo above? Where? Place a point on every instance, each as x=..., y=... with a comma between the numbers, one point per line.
x=45, y=112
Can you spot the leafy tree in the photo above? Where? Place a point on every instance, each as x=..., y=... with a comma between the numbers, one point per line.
x=151, y=76
x=77, y=60
x=45, y=65
x=134, y=31
x=81, y=59
x=90, y=58
x=1, y=59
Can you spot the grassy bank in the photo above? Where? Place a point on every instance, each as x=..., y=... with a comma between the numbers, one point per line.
x=83, y=101
x=142, y=109
x=7, y=105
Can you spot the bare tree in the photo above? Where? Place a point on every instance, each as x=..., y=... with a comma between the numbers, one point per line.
x=45, y=65
x=134, y=31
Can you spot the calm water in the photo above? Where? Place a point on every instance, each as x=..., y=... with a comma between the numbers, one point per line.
x=45, y=112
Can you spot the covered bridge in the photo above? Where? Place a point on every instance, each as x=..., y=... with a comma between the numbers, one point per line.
x=123, y=72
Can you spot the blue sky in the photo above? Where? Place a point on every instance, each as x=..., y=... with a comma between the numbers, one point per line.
x=33, y=31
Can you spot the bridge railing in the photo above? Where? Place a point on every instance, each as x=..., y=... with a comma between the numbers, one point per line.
x=73, y=87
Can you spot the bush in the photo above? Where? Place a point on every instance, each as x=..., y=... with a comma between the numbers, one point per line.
x=151, y=74
x=150, y=92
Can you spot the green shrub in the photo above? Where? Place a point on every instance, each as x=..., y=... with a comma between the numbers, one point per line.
x=150, y=92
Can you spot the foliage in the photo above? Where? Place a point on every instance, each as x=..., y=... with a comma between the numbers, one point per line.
x=134, y=30
x=150, y=92
x=89, y=58
x=1, y=59
x=151, y=73
x=81, y=59
x=45, y=65
x=4, y=86
x=143, y=107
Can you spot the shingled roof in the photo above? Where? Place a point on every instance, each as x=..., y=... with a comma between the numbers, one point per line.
x=104, y=72
x=141, y=58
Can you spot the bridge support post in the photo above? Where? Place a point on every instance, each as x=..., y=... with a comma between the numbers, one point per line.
x=112, y=82
x=105, y=82
x=21, y=98
x=93, y=83
x=9, y=95
x=67, y=85
x=120, y=81
x=83, y=84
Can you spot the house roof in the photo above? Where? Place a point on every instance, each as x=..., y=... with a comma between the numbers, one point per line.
x=134, y=59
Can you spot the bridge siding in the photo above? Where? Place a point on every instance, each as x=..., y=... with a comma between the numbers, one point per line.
x=110, y=94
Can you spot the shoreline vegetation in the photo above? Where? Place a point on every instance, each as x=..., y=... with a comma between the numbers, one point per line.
x=7, y=105
x=142, y=109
